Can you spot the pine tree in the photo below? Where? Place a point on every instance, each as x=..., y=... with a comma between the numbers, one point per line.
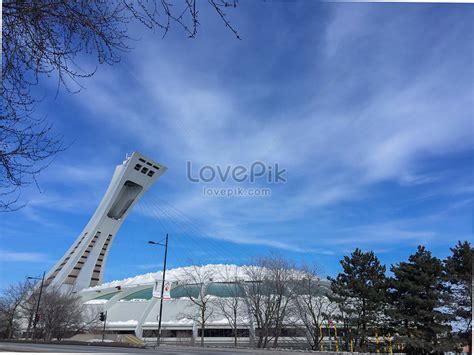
x=458, y=273
x=360, y=293
x=418, y=294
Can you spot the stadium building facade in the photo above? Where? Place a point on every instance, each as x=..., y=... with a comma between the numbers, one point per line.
x=132, y=307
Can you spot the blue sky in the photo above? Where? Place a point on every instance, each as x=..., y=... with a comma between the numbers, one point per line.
x=369, y=108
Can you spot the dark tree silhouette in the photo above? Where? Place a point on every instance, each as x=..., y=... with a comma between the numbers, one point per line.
x=359, y=292
x=45, y=38
x=458, y=273
x=418, y=297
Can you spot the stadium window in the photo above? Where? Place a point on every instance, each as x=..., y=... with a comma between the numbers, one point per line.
x=168, y=333
x=216, y=333
x=292, y=332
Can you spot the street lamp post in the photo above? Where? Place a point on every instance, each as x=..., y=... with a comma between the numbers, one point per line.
x=35, y=321
x=158, y=336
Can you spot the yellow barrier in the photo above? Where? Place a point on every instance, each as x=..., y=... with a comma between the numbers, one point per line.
x=377, y=341
x=133, y=340
x=321, y=337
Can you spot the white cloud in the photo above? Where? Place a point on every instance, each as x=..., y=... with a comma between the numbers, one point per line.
x=69, y=174
x=10, y=256
x=336, y=148
x=382, y=234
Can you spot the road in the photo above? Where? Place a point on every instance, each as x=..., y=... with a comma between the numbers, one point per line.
x=164, y=349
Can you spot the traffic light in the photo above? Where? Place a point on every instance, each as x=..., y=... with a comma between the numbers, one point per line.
x=102, y=316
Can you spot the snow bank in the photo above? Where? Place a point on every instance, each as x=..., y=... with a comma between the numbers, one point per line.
x=100, y=341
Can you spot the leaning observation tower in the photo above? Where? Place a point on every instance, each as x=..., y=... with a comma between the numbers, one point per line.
x=84, y=263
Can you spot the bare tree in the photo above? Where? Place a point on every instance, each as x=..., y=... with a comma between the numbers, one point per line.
x=282, y=275
x=257, y=299
x=46, y=38
x=11, y=300
x=62, y=315
x=25, y=142
x=231, y=303
x=268, y=295
x=28, y=308
x=194, y=282
x=312, y=306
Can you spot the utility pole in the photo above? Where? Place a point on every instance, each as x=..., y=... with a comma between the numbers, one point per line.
x=35, y=321
x=158, y=336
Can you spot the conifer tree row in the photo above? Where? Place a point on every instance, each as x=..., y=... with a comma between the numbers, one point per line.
x=425, y=306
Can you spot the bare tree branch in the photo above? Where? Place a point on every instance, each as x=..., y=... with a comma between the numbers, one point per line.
x=195, y=281
x=46, y=39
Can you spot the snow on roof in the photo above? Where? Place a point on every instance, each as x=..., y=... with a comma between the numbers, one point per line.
x=218, y=273
x=177, y=322
x=122, y=323
x=97, y=301
x=214, y=273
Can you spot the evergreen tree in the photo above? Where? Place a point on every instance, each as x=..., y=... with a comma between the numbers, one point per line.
x=359, y=292
x=458, y=272
x=418, y=295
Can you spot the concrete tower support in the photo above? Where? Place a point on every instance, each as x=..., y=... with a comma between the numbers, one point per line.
x=84, y=263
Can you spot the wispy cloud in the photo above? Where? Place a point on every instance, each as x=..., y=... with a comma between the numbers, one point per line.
x=149, y=266
x=334, y=152
x=32, y=257
x=69, y=174
x=383, y=234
